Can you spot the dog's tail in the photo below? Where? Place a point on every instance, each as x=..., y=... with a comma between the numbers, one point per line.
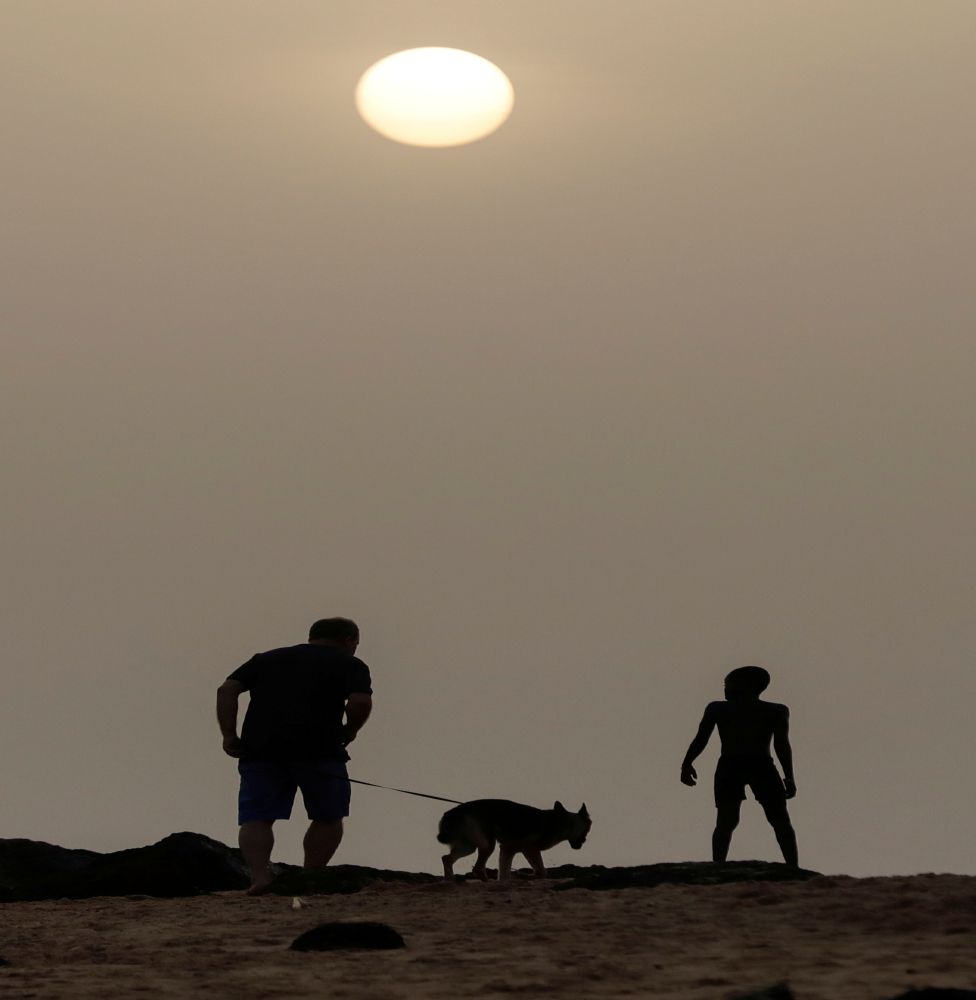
x=450, y=824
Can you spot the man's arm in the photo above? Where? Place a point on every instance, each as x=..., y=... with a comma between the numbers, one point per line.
x=358, y=707
x=227, y=696
x=689, y=776
x=781, y=744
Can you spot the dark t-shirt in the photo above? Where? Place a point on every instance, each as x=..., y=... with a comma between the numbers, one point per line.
x=298, y=696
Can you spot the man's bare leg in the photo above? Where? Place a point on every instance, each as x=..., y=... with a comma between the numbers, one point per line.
x=321, y=840
x=725, y=823
x=256, y=840
x=779, y=820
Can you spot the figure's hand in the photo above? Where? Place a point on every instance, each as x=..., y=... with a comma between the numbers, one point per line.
x=790, y=785
x=348, y=735
x=232, y=746
x=689, y=776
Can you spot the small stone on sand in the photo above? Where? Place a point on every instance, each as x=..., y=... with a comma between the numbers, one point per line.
x=354, y=934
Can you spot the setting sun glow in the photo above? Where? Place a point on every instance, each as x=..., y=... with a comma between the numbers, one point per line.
x=434, y=97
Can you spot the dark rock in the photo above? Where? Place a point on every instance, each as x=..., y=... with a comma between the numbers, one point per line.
x=681, y=873
x=188, y=864
x=23, y=862
x=358, y=934
x=341, y=879
x=3, y=961
x=182, y=864
x=936, y=993
x=778, y=992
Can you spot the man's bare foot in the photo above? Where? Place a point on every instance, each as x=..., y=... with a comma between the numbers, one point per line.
x=259, y=886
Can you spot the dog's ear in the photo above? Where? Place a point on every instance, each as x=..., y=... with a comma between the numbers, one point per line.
x=583, y=811
x=559, y=808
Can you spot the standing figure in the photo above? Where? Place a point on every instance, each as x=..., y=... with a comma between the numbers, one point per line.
x=307, y=704
x=746, y=727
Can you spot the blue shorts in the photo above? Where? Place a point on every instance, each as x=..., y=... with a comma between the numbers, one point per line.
x=268, y=789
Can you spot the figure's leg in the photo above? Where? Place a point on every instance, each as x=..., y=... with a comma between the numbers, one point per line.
x=256, y=839
x=534, y=858
x=779, y=820
x=505, y=856
x=726, y=821
x=458, y=850
x=266, y=795
x=326, y=792
x=485, y=847
x=321, y=840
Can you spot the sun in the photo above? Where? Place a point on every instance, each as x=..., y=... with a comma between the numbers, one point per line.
x=434, y=97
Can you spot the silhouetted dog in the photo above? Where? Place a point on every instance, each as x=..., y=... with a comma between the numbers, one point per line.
x=479, y=825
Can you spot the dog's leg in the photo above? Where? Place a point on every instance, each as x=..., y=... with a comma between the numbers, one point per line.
x=534, y=857
x=459, y=850
x=485, y=847
x=505, y=855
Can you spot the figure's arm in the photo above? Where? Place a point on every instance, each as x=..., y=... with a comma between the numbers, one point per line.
x=689, y=776
x=227, y=696
x=781, y=744
x=358, y=707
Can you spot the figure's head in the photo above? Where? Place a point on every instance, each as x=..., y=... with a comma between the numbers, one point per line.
x=746, y=682
x=576, y=825
x=341, y=632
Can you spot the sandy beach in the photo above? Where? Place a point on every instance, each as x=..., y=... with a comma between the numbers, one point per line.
x=831, y=938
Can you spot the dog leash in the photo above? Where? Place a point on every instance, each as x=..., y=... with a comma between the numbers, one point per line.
x=406, y=791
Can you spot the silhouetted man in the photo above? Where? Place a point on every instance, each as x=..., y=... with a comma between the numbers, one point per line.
x=308, y=702
x=746, y=726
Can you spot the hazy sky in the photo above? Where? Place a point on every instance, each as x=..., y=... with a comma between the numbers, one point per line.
x=674, y=372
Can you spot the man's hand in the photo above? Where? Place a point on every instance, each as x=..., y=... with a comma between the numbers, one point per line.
x=790, y=785
x=227, y=695
x=689, y=776
x=358, y=707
